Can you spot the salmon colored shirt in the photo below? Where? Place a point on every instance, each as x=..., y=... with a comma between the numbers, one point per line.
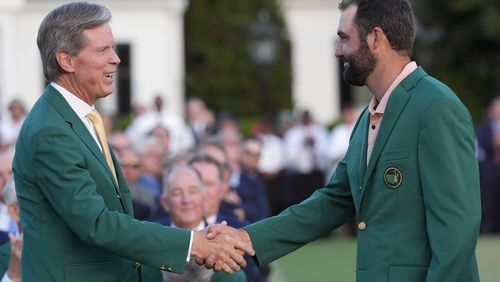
x=377, y=109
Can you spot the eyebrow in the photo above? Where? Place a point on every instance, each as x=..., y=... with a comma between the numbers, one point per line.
x=342, y=34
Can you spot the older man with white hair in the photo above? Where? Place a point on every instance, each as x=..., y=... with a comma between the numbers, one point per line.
x=183, y=195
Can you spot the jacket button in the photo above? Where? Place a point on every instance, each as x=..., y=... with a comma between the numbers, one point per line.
x=362, y=226
x=167, y=268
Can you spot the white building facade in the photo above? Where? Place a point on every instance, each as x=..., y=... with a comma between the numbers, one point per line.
x=153, y=31
x=312, y=27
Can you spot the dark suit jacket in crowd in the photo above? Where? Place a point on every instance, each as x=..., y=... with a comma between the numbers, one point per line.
x=253, y=194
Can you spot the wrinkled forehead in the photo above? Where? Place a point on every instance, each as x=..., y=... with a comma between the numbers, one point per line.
x=184, y=179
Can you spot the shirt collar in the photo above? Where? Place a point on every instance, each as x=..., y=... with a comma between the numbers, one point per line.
x=211, y=219
x=198, y=228
x=379, y=107
x=81, y=108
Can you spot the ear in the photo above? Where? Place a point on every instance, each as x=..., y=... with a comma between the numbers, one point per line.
x=66, y=61
x=376, y=38
x=164, y=203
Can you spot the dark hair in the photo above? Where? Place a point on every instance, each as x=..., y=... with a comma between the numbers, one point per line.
x=394, y=17
x=62, y=30
x=214, y=142
x=203, y=158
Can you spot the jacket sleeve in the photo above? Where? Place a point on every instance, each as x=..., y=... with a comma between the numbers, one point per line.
x=300, y=224
x=62, y=173
x=450, y=185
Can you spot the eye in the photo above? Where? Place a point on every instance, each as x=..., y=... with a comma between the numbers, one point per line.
x=176, y=193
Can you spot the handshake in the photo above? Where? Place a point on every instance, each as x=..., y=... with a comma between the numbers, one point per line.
x=221, y=248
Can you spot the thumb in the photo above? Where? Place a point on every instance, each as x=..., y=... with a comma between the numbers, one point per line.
x=214, y=230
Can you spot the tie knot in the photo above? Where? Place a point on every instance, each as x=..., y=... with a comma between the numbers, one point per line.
x=94, y=116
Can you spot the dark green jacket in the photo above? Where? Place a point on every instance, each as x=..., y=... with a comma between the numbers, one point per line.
x=77, y=221
x=417, y=202
x=4, y=258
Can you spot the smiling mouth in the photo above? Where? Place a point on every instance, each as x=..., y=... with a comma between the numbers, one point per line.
x=109, y=75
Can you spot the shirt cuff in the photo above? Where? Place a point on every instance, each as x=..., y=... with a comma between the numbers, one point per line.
x=188, y=257
x=6, y=278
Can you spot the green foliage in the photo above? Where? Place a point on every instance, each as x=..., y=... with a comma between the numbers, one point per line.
x=218, y=65
x=459, y=43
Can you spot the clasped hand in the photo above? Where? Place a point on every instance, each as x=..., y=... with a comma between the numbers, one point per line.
x=221, y=248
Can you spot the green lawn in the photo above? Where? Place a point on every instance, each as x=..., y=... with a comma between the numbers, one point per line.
x=333, y=259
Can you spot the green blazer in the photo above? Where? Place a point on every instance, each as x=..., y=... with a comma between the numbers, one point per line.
x=78, y=222
x=239, y=276
x=4, y=258
x=417, y=202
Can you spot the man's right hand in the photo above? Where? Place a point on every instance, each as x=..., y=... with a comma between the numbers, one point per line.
x=223, y=251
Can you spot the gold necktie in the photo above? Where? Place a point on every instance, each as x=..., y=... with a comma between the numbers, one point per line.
x=96, y=119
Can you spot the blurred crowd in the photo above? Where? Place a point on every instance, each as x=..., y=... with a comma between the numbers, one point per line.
x=243, y=178
x=201, y=169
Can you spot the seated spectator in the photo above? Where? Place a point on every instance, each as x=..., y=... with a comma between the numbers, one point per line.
x=180, y=138
x=119, y=142
x=200, y=119
x=152, y=158
x=183, y=197
x=10, y=253
x=250, y=186
x=212, y=175
x=5, y=174
x=11, y=124
x=231, y=201
x=145, y=203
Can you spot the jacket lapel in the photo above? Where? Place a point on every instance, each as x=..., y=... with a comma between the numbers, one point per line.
x=122, y=182
x=364, y=125
x=64, y=109
x=395, y=107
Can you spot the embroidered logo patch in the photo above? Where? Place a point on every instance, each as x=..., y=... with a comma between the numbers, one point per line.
x=393, y=177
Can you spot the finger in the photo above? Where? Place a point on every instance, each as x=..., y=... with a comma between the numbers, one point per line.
x=219, y=266
x=228, y=269
x=213, y=231
x=237, y=259
x=244, y=246
x=210, y=262
x=233, y=264
x=199, y=259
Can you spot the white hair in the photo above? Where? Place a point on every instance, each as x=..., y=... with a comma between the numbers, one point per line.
x=170, y=173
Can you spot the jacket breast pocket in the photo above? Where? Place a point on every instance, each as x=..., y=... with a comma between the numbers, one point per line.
x=394, y=155
x=85, y=272
x=402, y=273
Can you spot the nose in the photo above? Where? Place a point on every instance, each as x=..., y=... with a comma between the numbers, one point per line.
x=114, y=58
x=338, y=49
x=185, y=198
